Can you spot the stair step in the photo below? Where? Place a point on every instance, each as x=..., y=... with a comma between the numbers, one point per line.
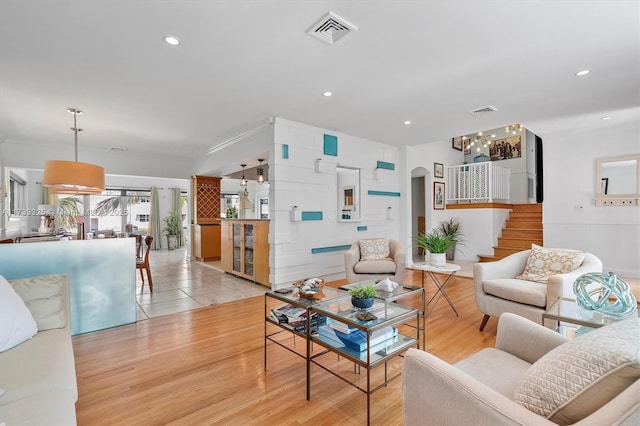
x=522, y=233
x=531, y=216
x=527, y=208
x=487, y=258
x=501, y=252
x=520, y=224
x=521, y=243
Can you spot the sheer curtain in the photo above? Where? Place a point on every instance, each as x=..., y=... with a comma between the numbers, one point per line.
x=155, y=229
x=176, y=208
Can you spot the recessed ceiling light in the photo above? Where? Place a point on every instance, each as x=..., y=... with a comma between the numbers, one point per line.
x=493, y=135
x=327, y=94
x=583, y=72
x=606, y=118
x=172, y=40
x=406, y=123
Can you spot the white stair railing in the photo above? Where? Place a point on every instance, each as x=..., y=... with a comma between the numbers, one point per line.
x=478, y=182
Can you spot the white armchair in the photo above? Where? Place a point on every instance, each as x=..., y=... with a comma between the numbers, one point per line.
x=497, y=290
x=483, y=388
x=358, y=269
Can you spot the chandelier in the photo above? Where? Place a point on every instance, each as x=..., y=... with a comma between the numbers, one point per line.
x=514, y=128
x=73, y=177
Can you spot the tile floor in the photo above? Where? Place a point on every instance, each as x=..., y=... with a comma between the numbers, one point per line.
x=181, y=285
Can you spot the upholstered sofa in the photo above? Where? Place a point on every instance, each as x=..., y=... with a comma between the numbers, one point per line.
x=37, y=377
x=506, y=286
x=376, y=261
x=533, y=376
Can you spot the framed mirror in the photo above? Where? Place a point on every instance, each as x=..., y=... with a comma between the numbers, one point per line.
x=617, y=181
x=348, y=184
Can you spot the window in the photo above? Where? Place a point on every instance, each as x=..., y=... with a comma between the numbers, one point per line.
x=17, y=205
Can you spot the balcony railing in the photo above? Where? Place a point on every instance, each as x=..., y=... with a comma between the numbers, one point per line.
x=478, y=182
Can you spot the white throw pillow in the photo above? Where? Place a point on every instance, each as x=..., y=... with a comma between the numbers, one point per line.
x=16, y=322
x=374, y=249
x=543, y=263
x=578, y=377
x=43, y=297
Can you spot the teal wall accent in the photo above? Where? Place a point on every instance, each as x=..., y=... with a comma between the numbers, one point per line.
x=362, y=228
x=385, y=165
x=318, y=250
x=331, y=145
x=385, y=193
x=311, y=215
x=285, y=151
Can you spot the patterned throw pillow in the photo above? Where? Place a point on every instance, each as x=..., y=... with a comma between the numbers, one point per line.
x=543, y=263
x=374, y=249
x=580, y=376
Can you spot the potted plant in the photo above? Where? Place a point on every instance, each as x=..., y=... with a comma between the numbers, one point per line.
x=362, y=296
x=452, y=227
x=436, y=244
x=232, y=212
x=173, y=225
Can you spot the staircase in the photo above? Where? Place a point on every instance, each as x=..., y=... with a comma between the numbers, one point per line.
x=522, y=228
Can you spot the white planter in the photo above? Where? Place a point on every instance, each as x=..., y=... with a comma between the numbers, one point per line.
x=172, y=242
x=438, y=259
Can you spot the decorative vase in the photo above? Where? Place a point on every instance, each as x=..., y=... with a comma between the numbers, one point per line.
x=606, y=294
x=451, y=252
x=43, y=226
x=438, y=259
x=362, y=303
x=172, y=241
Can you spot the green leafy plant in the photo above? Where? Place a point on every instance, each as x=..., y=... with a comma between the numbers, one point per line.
x=435, y=241
x=173, y=224
x=366, y=291
x=452, y=227
x=232, y=212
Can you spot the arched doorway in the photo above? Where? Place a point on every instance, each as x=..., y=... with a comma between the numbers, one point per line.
x=420, y=213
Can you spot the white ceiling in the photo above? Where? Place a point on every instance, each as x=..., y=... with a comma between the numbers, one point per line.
x=241, y=62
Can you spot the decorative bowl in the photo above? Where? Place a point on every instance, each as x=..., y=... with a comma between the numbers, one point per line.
x=309, y=287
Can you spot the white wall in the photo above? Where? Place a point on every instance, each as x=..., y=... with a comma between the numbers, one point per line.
x=294, y=181
x=571, y=218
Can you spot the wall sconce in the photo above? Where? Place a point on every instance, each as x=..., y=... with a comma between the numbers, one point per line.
x=296, y=214
x=388, y=216
x=260, y=172
x=243, y=182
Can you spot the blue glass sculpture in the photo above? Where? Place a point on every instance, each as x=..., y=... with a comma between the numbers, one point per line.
x=606, y=294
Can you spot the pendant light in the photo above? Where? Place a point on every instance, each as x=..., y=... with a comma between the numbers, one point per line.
x=243, y=182
x=73, y=177
x=260, y=172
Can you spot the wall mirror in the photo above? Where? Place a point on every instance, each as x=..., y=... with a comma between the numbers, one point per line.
x=348, y=202
x=618, y=180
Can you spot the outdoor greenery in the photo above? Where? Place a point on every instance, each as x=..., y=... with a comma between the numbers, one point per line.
x=173, y=224
x=435, y=241
x=69, y=208
x=232, y=212
x=366, y=291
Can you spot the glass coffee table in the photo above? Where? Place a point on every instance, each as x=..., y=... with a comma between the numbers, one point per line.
x=573, y=320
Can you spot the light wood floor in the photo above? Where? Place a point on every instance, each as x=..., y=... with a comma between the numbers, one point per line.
x=206, y=367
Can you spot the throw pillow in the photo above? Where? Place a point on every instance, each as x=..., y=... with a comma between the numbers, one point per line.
x=580, y=376
x=16, y=322
x=374, y=249
x=543, y=263
x=43, y=297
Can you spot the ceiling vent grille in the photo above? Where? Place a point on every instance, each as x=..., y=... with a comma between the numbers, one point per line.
x=331, y=28
x=484, y=110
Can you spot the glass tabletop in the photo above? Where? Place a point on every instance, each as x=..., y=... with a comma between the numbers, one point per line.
x=401, y=291
x=341, y=309
x=293, y=297
x=567, y=310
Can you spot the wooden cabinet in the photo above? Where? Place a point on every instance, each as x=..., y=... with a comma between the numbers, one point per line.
x=205, y=232
x=245, y=249
x=206, y=242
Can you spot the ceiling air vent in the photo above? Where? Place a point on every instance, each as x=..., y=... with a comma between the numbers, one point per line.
x=483, y=110
x=331, y=28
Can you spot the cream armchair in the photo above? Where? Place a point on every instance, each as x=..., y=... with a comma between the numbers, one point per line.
x=497, y=290
x=393, y=267
x=485, y=388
